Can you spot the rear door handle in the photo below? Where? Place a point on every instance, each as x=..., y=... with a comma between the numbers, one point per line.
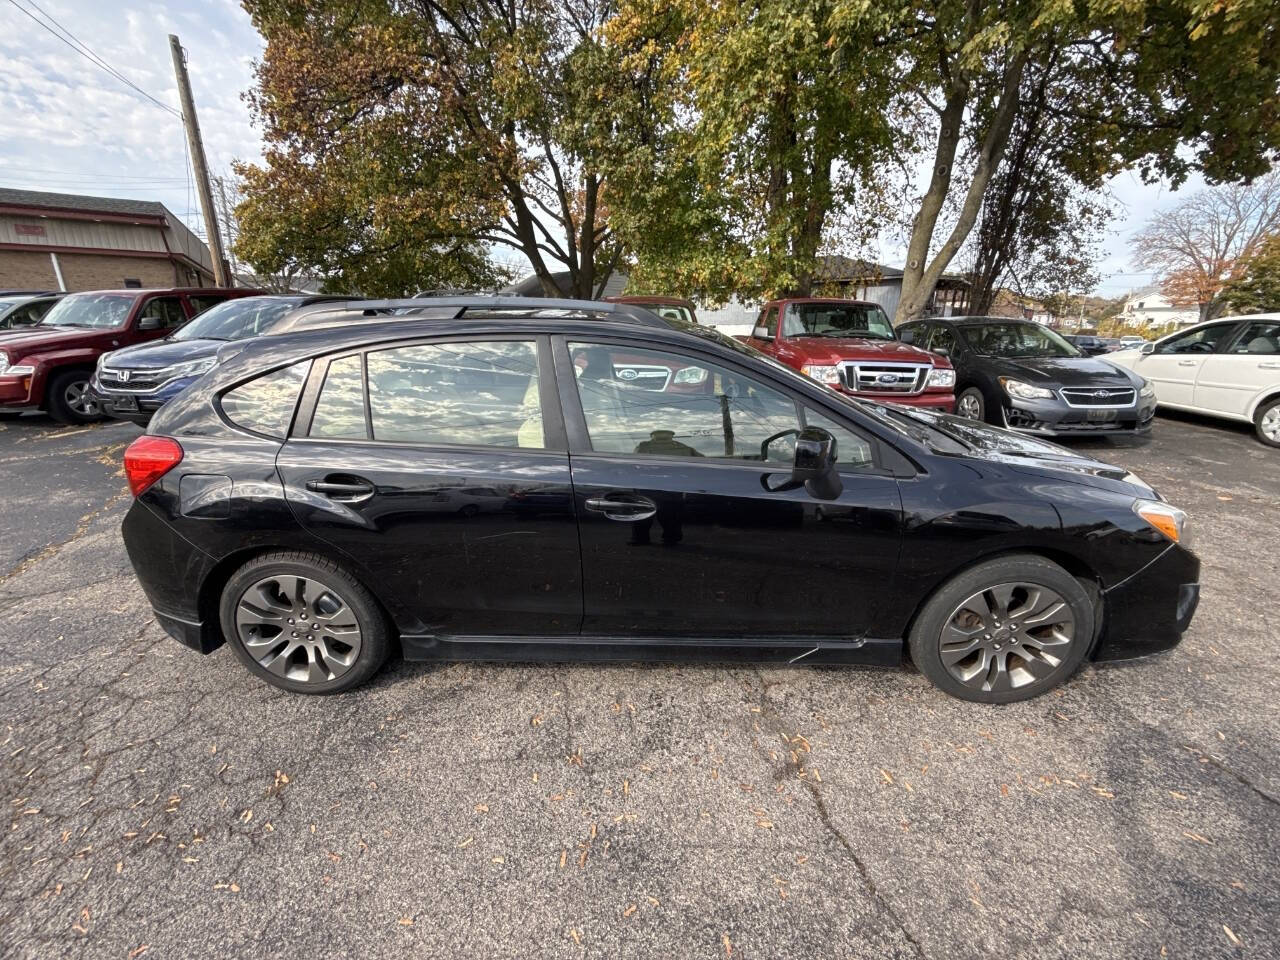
x=343, y=489
x=622, y=507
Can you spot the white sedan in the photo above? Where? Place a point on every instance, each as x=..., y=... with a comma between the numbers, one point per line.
x=1227, y=368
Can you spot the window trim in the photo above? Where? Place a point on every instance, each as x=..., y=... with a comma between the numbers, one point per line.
x=580, y=439
x=553, y=432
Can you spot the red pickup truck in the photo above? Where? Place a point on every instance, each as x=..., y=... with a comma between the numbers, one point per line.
x=48, y=365
x=851, y=347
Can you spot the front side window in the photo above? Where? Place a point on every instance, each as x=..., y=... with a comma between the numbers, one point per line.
x=1200, y=340
x=942, y=339
x=770, y=322
x=851, y=448
x=168, y=310
x=265, y=404
x=865, y=320
x=95, y=310
x=1016, y=339
x=654, y=403
x=475, y=393
x=1260, y=337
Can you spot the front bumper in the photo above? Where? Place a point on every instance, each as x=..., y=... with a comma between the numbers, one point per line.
x=1055, y=418
x=942, y=401
x=135, y=406
x=1151, y=610
x=15, y=391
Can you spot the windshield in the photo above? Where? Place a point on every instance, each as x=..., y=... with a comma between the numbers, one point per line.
x=1014, y=339
x=101, y=310
x=864, y=320
x=236, y=319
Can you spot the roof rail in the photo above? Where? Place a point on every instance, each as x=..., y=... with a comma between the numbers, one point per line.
x=455, y=308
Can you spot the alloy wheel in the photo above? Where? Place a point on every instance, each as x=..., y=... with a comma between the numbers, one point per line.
x=1270, y=424
x=298, y=628
x=77, y=398
x=1007, y=636
x=969, y=406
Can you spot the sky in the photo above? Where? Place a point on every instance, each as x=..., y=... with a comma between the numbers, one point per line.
x=67, y=125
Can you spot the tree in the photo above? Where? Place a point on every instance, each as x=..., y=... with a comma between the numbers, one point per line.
x=403, y=139
x=1195, y=246
x=1169, y=85
x=1256, y=286
x=764, y=128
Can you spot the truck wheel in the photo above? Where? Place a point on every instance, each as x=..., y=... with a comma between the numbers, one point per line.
x=972, y=404
x=67, y=398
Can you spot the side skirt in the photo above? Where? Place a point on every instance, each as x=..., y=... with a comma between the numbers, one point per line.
x=800, y=650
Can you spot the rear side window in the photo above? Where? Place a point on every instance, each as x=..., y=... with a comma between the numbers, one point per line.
x=479, y=394
x=340, y=409
x=265, y=404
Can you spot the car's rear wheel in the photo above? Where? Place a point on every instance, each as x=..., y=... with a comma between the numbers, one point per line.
x=1267, y=422
x=972, y=404
x=304, y=624
x=1004, y=630
x=68, y=399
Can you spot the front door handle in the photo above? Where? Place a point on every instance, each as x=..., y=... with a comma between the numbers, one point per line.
x=628, y=509
x=343, y=489
x=1269, y=365
x=1187, y=363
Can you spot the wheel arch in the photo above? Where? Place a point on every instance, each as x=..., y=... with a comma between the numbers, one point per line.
x=1267, y=396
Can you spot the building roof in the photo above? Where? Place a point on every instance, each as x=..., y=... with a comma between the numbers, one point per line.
x=71, y=201
x=836, y=267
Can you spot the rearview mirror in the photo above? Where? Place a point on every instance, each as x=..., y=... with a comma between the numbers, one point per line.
x=149, y=323
x=1147, y=348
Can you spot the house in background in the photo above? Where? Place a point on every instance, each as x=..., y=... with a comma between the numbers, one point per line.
x=1148, y=307
x=59, y=241
x=531, y=286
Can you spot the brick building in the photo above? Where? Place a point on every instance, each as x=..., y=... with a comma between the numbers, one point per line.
x=58, y=241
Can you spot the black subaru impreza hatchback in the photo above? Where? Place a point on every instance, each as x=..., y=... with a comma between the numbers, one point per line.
x=481, y=478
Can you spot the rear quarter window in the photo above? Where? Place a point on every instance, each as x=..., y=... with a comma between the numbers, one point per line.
x=266, y=403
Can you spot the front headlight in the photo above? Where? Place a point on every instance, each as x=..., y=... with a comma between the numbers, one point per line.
x=822, y=374
x=192, y=368
x=1148, y=390
x=1024, y=391
x=1166, y=518
x=690, y=375
x=939, y=377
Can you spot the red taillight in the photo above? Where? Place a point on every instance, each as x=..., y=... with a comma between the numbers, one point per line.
x=148, y=459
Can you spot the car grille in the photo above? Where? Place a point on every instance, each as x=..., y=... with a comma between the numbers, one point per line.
x=139, y=381
x=644, y=376
x=1099, y=397
x=888, y=378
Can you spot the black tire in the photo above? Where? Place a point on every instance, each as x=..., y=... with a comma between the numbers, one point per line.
x=1011, y=637
x=373, y=637
x=972, y=395
x=1264, y=421
x=59, y=402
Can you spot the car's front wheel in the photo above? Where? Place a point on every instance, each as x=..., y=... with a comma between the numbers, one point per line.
x=1006, y=629
x=68, y=399
x=304, y=624
x=972, y=404
x=1267, y=422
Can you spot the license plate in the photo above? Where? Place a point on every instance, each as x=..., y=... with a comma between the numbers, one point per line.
x=127, y=404
x=1101, y=416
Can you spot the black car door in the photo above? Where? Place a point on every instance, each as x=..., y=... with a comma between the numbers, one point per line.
x=440, y=467
x=680, y=536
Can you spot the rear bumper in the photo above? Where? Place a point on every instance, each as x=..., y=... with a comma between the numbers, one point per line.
x=1151, y=610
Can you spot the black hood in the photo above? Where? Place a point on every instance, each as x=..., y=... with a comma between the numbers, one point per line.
x=1063, y=371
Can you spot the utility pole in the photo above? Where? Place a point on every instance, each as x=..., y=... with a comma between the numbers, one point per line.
x=192, y=125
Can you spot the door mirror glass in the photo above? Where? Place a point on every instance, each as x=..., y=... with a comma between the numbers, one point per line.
x=942, y=351
x=760, y=333
x=1147, y=348
x=907, y=336
x=150, y=323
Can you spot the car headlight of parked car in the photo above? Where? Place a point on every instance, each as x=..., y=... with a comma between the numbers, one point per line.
x=823, y=374
x=192, y=368
x=1147, y=391
x=1024, y=391
x=691, y=375
x=1166, y=518
x=938, y=377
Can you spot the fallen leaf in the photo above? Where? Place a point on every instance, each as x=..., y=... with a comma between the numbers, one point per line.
x=405, y=921
x=1232, y=937
x=630, y=910
x=728, y=946
x=139, y=951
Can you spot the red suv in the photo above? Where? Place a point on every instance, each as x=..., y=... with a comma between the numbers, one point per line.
x=669, y=308
x=48, y=365
x=851, y=346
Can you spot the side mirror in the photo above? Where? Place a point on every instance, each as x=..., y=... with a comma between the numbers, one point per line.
x=942, y=351
x=907, y=336
x=815, y=464
x=760, y=333
x=150, y=323
x=1147, y=348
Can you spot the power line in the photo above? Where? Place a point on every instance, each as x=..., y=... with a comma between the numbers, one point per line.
x=75, y=44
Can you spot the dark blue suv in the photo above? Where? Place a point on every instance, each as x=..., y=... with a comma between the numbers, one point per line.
x=133, y=383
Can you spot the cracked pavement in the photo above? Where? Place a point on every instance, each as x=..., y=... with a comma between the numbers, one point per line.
x=165, y=804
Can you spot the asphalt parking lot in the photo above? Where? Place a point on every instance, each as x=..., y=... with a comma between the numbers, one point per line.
x=169, y=805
